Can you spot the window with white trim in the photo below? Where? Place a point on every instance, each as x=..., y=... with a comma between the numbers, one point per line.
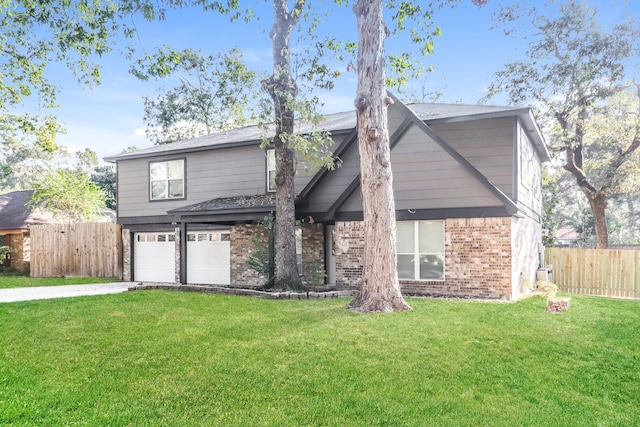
x=271, y=170
x=166, y=180
x=420, y=249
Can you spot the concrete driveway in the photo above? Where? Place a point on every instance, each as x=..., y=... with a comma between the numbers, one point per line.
x=66, y=291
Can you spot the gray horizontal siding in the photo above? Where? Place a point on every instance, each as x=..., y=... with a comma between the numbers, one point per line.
x=396, y=115
x=336, y=181
x=487, y=144
x=426, y=177
x=228, y=172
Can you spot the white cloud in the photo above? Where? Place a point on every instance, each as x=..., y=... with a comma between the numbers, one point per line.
x=104, y=141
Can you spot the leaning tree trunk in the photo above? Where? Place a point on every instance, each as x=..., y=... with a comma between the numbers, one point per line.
x=282, y=89
x=380, y=288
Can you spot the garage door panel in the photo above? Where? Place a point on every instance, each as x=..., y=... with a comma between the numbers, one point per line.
x=154, y=257
x=209, y=258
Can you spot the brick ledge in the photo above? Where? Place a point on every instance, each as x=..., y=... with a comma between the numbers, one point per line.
x=242, y=291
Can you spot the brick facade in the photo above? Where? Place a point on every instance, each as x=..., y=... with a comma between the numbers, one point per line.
x=126, y=254
x=313, y=268
x=478, y=260
x=242, y=246
x=348, y=250
x=481, y=258
x=241, y=250
x=20, y=255
x=484, y=257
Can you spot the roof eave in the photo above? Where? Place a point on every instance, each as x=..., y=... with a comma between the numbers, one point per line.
x=150, y=152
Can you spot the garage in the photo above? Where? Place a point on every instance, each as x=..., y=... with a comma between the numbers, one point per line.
x=154, y=257
x=209, y=257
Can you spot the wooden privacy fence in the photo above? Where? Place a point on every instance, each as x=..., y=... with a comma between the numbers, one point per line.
x=77, y=250
x=606, y=272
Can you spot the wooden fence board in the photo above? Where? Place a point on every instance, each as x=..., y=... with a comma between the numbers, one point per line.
x=76, y=250
x=603, y=272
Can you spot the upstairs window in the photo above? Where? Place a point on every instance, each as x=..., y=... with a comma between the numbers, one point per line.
x=420, y=247
x=166, y=180
x=271, y=170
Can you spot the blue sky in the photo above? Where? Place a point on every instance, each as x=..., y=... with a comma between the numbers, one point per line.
x=108, y=118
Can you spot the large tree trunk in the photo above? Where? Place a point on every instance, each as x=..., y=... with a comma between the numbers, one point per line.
x=598, y=203
x=282, y=89
x=380, y=289
x=575, y=165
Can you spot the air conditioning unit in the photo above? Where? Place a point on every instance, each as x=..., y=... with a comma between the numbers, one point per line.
x=545, y=274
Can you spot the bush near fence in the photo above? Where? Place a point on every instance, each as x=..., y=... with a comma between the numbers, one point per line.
x=603, y=272
x=77, y=250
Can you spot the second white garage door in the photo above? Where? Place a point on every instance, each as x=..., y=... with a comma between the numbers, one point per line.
x=209, y=257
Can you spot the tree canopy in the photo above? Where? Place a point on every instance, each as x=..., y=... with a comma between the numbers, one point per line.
x=214, y=93
x=34, y=36
x=572, y=70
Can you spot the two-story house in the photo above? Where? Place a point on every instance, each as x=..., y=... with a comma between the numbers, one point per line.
x=467, y=183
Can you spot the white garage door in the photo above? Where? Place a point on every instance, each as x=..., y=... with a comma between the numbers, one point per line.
x=154, y=257
x=209, y=257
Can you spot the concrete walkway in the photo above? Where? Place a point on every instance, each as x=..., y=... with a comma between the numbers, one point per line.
x=66, y=291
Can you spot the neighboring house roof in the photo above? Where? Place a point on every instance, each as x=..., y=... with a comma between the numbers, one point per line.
x=14, y=214
x=346, y=122
x=567, y=234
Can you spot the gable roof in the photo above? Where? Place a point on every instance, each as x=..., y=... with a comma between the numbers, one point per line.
x=412, y=119
x=14, y=214
x=345, y=122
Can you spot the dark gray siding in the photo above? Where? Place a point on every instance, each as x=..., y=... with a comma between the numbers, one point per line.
x=487, y=144
x=396, y=115
x=426, y=177
x=336, y=181
x=227, y=172
x=210, y=174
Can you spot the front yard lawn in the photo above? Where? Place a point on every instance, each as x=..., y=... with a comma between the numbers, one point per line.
x=158, y=358
x=21, y=281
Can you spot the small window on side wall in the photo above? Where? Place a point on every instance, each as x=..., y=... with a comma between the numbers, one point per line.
x=166, y=180
x=271, y=170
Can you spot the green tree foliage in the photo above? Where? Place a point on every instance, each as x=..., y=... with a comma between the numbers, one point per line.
x=214, y=93
x=550, y=205
x=36, y=34
x=105, y=178
x=572, y=68
x=68, y=195
x=67, y=191
x=21, y=157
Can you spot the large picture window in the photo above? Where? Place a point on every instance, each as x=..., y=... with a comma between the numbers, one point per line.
x=420, y=247
x=166, y=180
x=271, y=170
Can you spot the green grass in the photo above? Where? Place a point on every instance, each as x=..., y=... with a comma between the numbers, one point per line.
x=157, y=358
x=21, y=281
